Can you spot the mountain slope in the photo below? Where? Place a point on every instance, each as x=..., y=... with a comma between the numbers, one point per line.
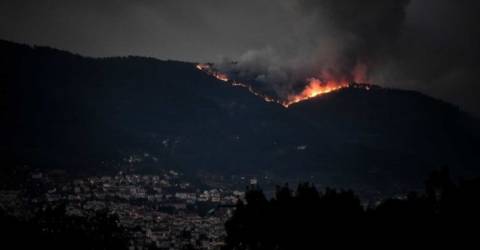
x=395, y=134
x=61, y=110
x=65, y=110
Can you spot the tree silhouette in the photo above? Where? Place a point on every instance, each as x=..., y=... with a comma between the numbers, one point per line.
x=309, y=219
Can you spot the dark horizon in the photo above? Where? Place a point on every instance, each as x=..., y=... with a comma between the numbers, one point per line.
x=424, y=45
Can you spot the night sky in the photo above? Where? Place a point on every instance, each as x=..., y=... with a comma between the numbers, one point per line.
x=426, y=45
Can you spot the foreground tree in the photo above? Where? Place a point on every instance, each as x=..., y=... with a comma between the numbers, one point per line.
x=308, y=219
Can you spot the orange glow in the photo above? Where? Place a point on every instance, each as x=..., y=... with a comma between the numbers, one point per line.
x=203, y=66
x=315, y=88
x=224, y=78
x=221, y=76
x=208, y=69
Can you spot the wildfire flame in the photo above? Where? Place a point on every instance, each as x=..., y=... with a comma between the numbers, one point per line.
x=315, y=87
x=221, y=77
x=202, y=66
x=224, y=78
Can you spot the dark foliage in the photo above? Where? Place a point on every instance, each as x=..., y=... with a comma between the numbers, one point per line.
x=308, y=219
x=52, y=229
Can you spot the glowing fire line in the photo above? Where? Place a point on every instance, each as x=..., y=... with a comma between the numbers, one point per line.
x=314, y=88
x=224, y=78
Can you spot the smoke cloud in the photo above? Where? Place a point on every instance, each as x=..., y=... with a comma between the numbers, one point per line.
x=338, y=40
x=426, y=45
x=437, y=52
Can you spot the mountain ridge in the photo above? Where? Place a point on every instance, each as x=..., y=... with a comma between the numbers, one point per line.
x=63, y=110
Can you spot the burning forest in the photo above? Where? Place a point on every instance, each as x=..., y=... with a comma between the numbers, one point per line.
x=313, y=87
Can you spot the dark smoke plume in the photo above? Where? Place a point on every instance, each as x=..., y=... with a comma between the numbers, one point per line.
x=426, y=45
x=339, y=40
